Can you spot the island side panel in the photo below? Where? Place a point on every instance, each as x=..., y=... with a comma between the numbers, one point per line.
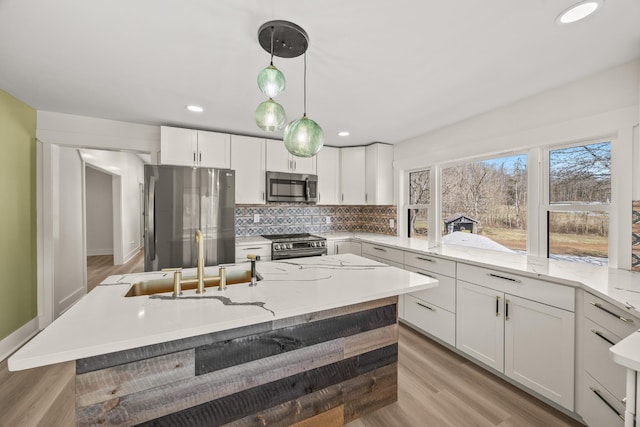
x=342, y=360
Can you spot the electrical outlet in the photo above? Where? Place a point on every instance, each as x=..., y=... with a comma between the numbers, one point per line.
x=392, y=223
x=327, y=219
x=256, y=218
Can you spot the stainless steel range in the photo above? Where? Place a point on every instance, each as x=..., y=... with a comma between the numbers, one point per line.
x=285, y=246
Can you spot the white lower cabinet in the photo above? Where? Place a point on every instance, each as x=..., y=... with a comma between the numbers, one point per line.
x=603, y=380
x=344, y=247
x=261, y=249
x=530, y=342
x=430, y=318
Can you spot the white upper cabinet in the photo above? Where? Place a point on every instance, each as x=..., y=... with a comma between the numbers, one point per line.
x=352, y=176
x=328, y=164
x=189, y=147
x=379, y=174
x=280, y=160
x=248, y=160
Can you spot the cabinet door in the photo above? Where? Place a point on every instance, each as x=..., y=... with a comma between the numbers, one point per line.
x=178, y=146
x=348, y=248
x=306, y=165
x=328, y=165
x=214, y=150
x=379, y=174
x=248, y=160
x=278, y=158
x=352, y=174
x=480, y=324
x=539, y=348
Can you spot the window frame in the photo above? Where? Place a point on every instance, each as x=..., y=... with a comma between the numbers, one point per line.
x=545, y=206
x=428, y=206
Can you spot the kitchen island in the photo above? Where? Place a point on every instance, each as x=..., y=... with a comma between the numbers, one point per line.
x=316, y=340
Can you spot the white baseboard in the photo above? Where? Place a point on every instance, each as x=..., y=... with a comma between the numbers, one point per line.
x=131, y=254
x=18, y=338
x=94, y=252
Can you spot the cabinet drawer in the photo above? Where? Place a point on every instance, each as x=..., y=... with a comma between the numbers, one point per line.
x=431, y=319
x=264, y=251
x=379, y=251
x=537, y=290
x=597, y=341
x=444, y=295
x=600, y=408
x=383, y=261
x=609, y=316
x=430, y=263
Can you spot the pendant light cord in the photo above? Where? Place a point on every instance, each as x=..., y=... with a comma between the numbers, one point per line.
x=273, y=30
x=304, y=114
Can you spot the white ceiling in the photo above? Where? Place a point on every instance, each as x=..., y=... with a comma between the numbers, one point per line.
x=383, y=70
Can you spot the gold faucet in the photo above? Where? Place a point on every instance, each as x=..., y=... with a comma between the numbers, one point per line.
x=177, y=281
x=200, y=271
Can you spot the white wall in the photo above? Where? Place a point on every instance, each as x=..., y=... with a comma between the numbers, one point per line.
x=69, y=265
x=99, y=212
x=604, y=105
x=128, y=169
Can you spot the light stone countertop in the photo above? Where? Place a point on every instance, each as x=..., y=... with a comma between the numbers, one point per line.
x=104, y=321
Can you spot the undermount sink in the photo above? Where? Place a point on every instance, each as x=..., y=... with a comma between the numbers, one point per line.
x=159, y=286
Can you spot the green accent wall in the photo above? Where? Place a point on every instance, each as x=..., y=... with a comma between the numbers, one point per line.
x=18, y=246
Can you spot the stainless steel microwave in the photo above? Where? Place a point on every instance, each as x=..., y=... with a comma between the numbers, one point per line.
x=292, y=187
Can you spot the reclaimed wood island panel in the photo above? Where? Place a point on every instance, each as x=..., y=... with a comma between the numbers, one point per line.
x=328, y=368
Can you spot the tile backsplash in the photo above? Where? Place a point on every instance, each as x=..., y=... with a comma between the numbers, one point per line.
x=635, y=236
x=276, y=218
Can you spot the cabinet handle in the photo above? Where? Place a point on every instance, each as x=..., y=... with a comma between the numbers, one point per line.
x=263, y=195
x=200, y=157
x=425, y=259
x=251, y=249
x=598, y=333
x=366, y=197
x=497, y=306
x=295, y=165
x=601, y=397
x=497, y=276
x=426, y=306
x=379, y=249
x=337, y=250
x=617, y=316
x=425, y=274
x=506, y=309
x=194, y=157
x=343, y=197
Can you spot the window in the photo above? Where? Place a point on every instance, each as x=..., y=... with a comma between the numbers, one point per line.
x=484, y=204
x=579, y=195
x=419, y=203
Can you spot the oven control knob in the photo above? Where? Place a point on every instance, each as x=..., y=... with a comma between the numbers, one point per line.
x=313, y=244
x=289, y=246
x=276, y=247
x=323, y=244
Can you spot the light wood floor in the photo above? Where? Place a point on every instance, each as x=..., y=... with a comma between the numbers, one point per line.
x=436, y=387
x=99, y=267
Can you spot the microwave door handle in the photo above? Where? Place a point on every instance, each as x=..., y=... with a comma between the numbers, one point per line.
x=307, y=192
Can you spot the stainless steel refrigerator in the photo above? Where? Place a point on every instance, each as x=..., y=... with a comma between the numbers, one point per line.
x=180, y=200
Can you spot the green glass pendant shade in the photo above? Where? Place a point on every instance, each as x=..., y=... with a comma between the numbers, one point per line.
x=303, y=137
x=270, y=116
x=271, y=81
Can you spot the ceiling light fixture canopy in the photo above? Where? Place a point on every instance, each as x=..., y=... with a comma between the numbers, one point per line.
x=284, y=39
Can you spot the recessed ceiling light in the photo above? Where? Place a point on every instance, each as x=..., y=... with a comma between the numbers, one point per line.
x=195, y=108
x=343, y=133
x=578, y=11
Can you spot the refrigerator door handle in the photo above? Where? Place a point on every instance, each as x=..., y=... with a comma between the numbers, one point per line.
x=151, y=218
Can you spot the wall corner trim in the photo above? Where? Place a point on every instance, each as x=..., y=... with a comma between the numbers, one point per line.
x=18, y=338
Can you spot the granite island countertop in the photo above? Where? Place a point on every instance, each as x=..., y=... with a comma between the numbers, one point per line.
x=104, y=321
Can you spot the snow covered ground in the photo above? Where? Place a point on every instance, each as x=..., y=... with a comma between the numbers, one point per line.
x=482, y=242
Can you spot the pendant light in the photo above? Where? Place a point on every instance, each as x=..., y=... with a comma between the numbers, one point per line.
x=284, y=39
x=270, y=115
x=303, y=137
